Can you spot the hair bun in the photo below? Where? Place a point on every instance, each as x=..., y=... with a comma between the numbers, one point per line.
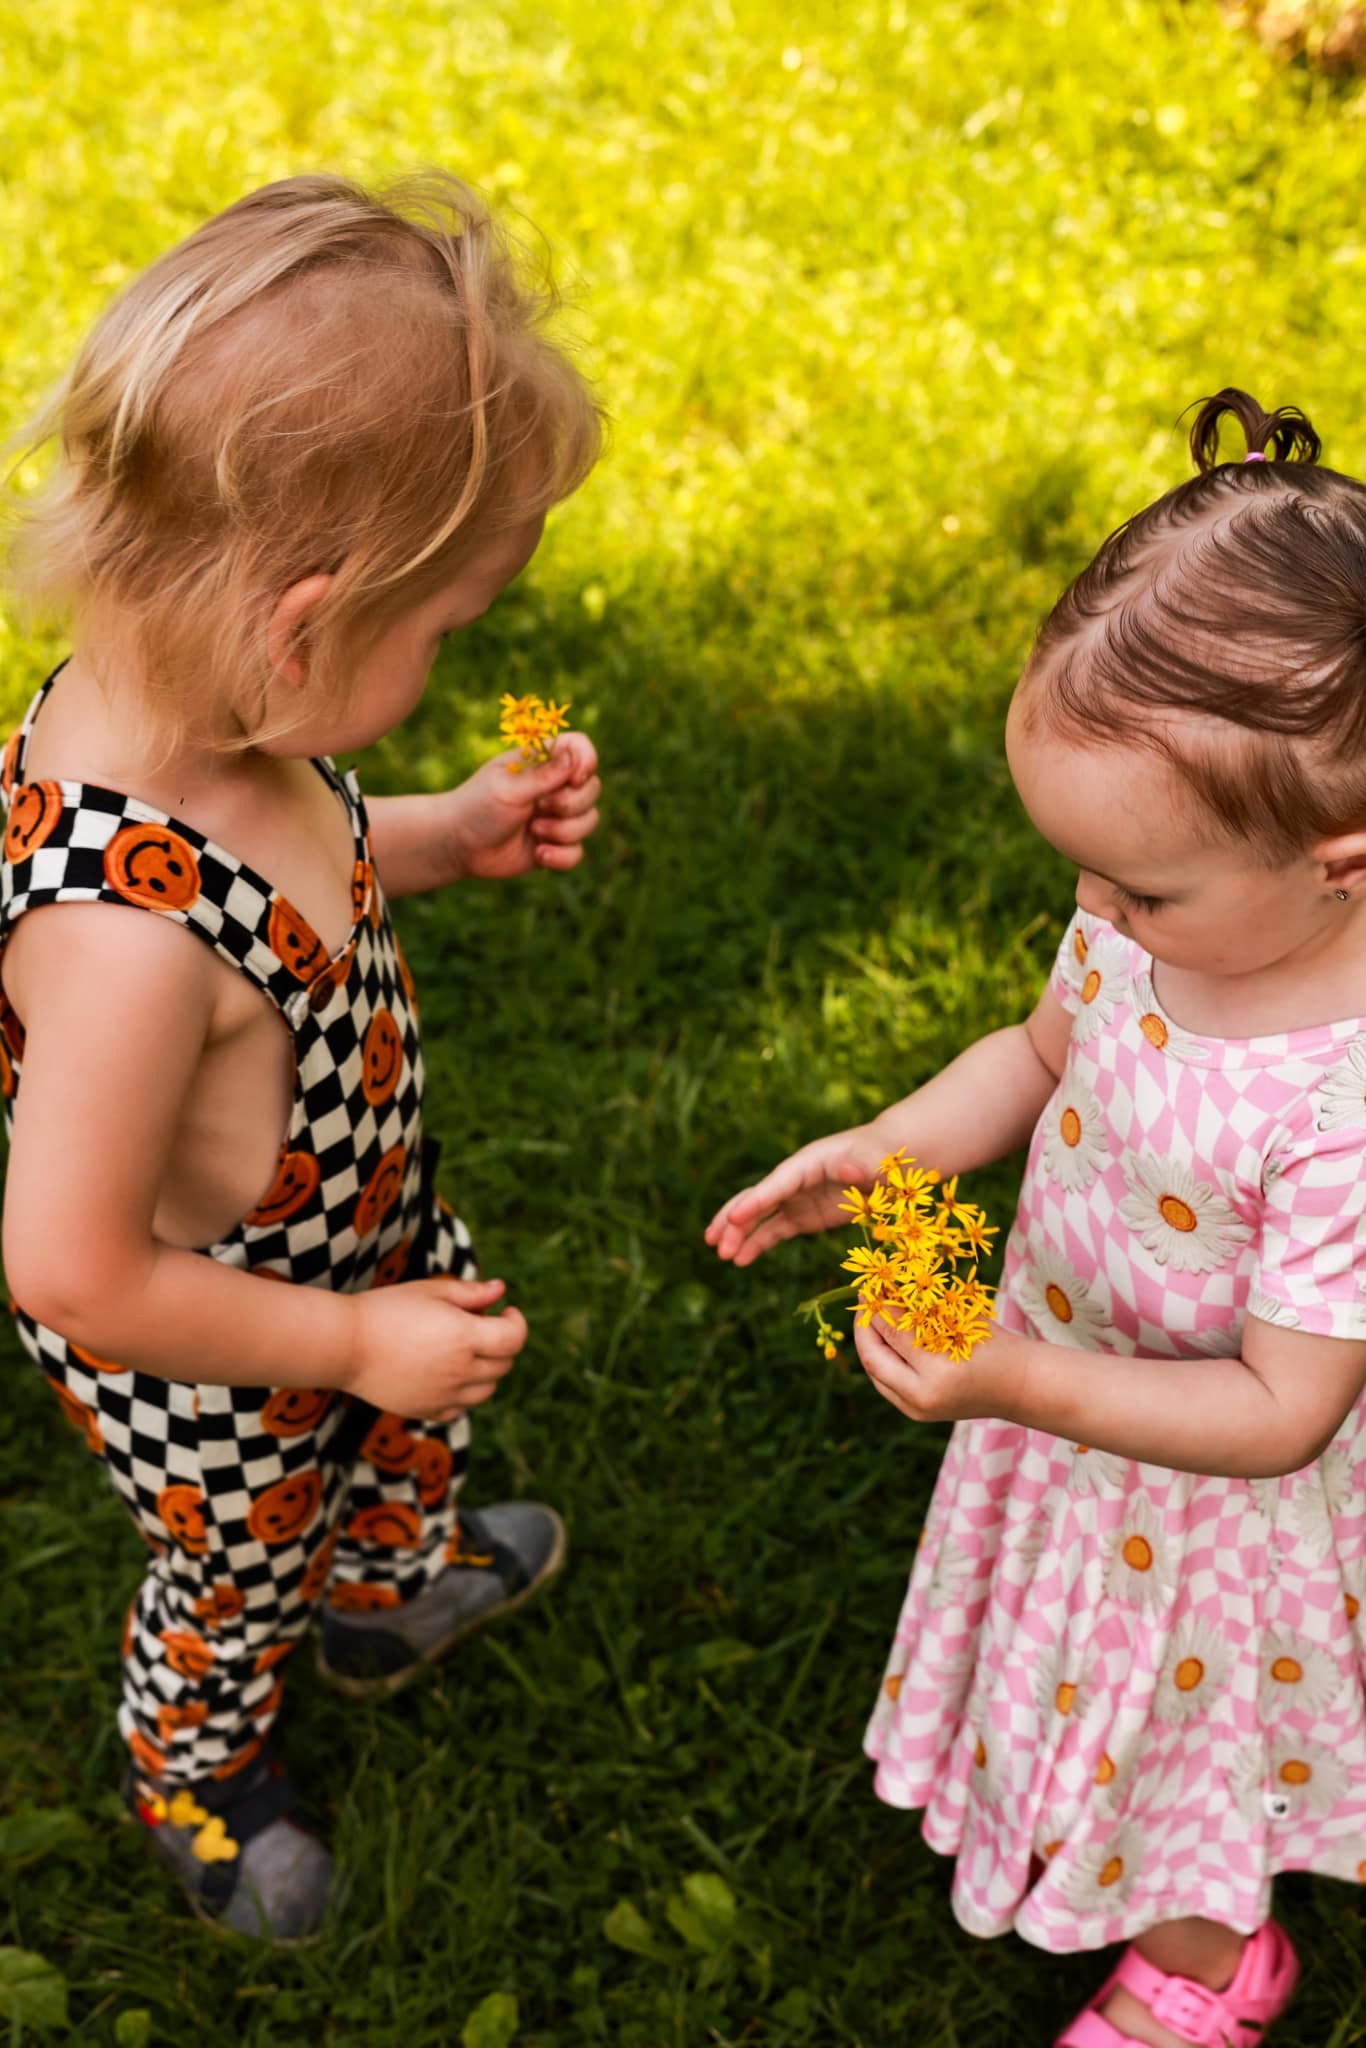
x=1287, y=434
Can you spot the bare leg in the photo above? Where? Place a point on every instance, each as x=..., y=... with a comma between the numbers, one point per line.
x=1202, y=1950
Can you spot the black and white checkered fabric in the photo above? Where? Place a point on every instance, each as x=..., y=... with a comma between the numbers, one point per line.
x=252, y=1500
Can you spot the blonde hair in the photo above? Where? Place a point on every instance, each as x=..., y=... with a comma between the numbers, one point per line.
x=319, y=378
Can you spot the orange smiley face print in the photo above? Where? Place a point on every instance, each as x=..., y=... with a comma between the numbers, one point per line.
x=91, y=1360
x=382, y=1190
x=317, y=1569
x=153, y=867
x=330, y=979
x=292, y=1411
x=145, y=1754
x=394, y=1264
x=350, y=1596
x=362, y=878
x=388, y=1445
x=80, y=1417
x=188, y=1655
x=391, y=1524
x=11, y=1029
x=293, y=940
x=33, y=813
x=296, y=1181
x=9, y=768
x=285, y=1510
x=381, y=1059
x=181, y=1508
x=432, y=1468
x=223, y=1602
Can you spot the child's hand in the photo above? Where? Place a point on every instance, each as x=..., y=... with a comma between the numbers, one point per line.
x=421, y=1349
x=929, y=1388
x=502, y=824
x=803, y=1194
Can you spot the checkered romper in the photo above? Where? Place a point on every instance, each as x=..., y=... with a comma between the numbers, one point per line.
x=252, y=1500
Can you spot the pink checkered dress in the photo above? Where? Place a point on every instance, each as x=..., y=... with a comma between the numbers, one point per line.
x=1150, y=1682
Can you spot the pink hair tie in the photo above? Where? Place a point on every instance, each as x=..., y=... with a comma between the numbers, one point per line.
x=1255, y=456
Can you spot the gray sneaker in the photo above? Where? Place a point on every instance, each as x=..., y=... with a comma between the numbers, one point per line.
x=505, y=1554
x=244, y=1863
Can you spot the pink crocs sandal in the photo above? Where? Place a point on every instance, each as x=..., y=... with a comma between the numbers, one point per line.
x=1236, y=2017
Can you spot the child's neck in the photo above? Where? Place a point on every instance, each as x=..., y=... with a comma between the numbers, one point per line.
x=85, y=732
x=1322, y=981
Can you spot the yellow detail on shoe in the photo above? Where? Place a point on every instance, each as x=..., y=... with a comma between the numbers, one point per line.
x=213, y=1844
x=184, y=1811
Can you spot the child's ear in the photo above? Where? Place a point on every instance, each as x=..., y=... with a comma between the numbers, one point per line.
x=286, y=634
x=1343, y=859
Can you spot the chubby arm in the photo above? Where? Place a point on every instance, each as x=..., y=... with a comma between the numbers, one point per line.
x=982, y=1105
x=504, y=820
x=117, y=1006
x=1274, y=1410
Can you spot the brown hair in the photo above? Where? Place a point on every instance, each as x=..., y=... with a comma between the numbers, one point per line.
x=1239, y=598
x=318, y=378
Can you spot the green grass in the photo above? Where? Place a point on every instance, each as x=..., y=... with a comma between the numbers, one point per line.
x=894, y=308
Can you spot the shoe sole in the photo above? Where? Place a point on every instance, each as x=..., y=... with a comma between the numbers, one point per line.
x=394, y=1681
x=201, y=1911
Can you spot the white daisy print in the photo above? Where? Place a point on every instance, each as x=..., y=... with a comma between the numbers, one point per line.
x=1268, y=1311
x=990, y=1758
x=1060, y=1687
x=1104, y=983
x=1325, y=1492
x=1296, y=1675
x=1140, y=1570
x=1354, y=1590
x=1076, y=1143
x=1025, y=1539
x=1342, y=1091
x=1159, y=1030
x=1096, y=1471
x=1266, y=1497
x=1311, y=1777
x=1197, y=1662
x=954, y=1571
x=1073, y=954
x=1247, y=1776
x=1058, y=1302
x=1105, y=1872
x=1182, y=1221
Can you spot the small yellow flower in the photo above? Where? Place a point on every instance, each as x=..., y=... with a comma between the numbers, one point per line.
x=532, y=725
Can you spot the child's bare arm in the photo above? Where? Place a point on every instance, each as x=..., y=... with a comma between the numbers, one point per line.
x=494, y=825
x=117, y=1007
x=1271, y=1411
x=981, y=1106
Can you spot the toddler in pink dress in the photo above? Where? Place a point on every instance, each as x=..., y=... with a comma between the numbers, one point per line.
x=1127, y=1683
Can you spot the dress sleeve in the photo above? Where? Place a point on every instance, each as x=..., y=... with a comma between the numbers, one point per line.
x=1311, y=1259
x=1069, y=968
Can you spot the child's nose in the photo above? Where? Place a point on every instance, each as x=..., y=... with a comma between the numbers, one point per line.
x=1096, y=897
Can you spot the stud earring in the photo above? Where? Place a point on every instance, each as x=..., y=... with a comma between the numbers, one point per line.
x=1341, y=895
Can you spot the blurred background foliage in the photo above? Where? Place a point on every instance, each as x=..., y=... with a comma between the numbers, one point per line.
x=894, y=307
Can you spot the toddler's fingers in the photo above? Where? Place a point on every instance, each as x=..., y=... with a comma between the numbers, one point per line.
x=564, y=831
x=558, y=859
x=473, y=1393
x=502, y=1336
x=580, y=752
x=471, y=1295
x=573, y=799
x=723, y=1216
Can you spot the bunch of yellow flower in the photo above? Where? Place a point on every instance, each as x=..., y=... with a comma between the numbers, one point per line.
x=916, y=1236
x=528, y=723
